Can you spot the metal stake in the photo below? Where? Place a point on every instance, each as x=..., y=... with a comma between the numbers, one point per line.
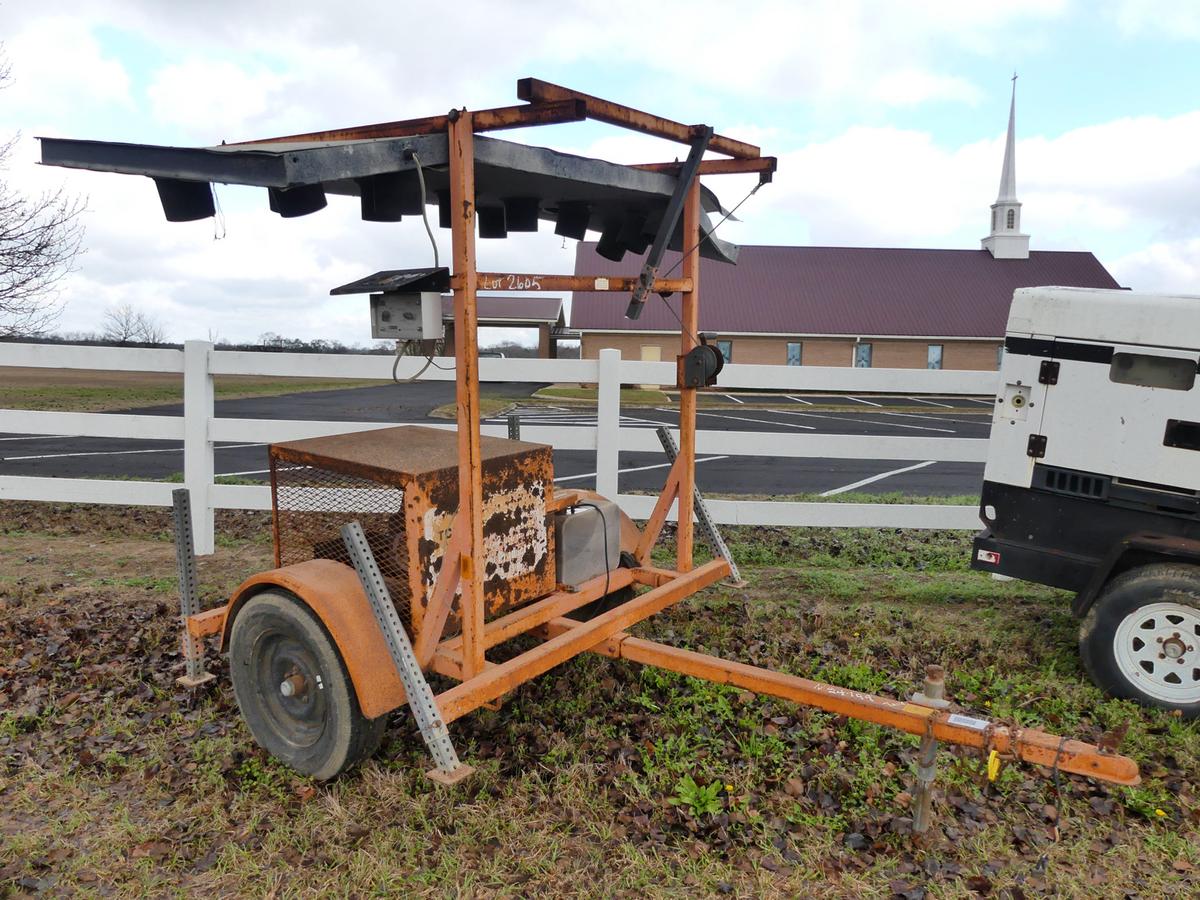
x=189, y=601
x=934, y=696
x=420, y=696
x=711, y=533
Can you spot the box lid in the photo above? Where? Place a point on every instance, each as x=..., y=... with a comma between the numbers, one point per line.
x=394, y=455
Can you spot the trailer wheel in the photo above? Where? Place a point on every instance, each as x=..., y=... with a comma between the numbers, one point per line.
x=293, y=690
x=1141, y=638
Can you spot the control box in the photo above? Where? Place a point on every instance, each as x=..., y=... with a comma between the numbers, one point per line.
x=407, y=317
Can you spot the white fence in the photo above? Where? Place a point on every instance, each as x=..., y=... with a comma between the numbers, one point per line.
x=199, y=427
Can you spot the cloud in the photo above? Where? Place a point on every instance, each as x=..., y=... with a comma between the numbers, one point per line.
x=1114, y=184
x=228, y=69
x=1166, y=267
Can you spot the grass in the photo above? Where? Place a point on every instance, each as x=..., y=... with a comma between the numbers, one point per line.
x=601, y=778
x=85, y=391
x=629, y=396
x=488, y=407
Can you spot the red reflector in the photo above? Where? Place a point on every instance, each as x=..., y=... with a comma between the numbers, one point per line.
x=991, y=557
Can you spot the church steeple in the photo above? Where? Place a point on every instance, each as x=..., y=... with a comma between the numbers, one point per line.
x=1006, y=240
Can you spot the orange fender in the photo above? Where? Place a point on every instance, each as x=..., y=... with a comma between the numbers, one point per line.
x=332, y=590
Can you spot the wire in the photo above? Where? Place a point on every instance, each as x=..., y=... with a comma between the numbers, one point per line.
x=432, y=347
x=424, y=214
x=694, y=248
x=604, y=526
x=713, y=230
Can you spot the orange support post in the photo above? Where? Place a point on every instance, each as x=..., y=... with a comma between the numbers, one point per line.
x=690, y=319
x=470, y=470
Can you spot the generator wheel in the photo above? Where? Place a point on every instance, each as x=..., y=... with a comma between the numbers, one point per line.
x=293, y=690
x=1141, y=638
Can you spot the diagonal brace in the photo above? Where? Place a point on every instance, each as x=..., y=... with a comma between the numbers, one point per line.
x=666, y=228
x=708, y=525
x=420, y=696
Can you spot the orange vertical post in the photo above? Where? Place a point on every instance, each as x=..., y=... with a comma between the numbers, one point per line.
x=690, y=317
x=470, y=472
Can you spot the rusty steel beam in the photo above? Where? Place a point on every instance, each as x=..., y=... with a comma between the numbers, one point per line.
x=549, y=607
x=1028, y=744
x=534, y=90
x=466, y=322
x=498, y=681
x=763, y=166
x=433, y=621
x=658, y=517
x=207, y=623
x=690, y=321
x=619, y=284
x=499, y=119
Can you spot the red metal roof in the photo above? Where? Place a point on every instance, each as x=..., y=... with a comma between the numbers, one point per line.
x=842, y=290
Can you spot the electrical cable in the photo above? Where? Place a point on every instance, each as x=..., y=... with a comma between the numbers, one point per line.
x=604, y=526
x=424, y=214
x=406, y=347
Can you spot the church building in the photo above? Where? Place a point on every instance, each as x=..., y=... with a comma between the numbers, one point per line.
x=848, y=306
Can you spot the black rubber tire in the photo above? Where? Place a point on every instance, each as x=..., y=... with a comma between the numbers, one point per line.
x=321, y=732
x=1125, y=594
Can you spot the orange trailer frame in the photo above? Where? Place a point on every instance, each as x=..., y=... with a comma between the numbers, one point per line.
x=338, y=599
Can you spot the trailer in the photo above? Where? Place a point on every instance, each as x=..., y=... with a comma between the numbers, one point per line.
x=410, y=552
x=1092, y=481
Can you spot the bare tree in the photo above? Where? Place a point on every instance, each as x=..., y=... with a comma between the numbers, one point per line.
x=39, y=240
x=123, y=325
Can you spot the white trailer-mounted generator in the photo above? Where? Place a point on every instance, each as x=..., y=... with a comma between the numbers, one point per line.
x=1093, y=479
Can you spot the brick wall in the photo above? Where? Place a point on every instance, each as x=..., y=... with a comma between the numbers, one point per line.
x=886, y=354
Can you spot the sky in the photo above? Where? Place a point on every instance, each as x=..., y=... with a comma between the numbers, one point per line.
x=888, y=119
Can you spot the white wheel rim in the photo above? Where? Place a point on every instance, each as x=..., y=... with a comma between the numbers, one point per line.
x=1157, y=648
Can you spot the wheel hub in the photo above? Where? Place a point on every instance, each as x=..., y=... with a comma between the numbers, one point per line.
x=1155, y=647
x=289, y=682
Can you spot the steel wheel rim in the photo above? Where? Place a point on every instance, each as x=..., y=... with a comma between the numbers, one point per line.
x=298, y=720
x=1157, y=648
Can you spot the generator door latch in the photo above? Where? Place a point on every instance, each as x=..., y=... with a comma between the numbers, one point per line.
x=1037, y=446
x=1048, y=373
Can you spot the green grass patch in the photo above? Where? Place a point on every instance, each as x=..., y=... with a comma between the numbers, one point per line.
x=630, y=396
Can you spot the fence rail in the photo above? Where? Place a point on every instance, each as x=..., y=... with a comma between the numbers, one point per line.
x=199, y=427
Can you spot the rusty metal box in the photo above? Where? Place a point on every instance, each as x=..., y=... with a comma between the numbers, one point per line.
x=401, y=484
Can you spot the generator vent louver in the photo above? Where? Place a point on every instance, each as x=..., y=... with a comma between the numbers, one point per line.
x=1074, y=484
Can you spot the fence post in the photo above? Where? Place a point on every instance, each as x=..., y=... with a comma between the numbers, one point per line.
x=608, y=422
x=198, y=464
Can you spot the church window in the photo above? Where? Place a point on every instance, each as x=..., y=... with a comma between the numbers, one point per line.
x=1012, y=219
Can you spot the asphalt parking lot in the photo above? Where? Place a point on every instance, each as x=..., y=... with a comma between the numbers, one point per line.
x=767, y=475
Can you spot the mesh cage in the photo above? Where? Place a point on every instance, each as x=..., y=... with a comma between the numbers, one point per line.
x=311, y=504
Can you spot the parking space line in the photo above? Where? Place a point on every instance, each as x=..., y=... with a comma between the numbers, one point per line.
x=118, y=452
x=849, y=487
x=665, y=465
x=867, y=402
x=41, y=437
x=799, y=400
x=930, y=402
x=758, y=421
x=788, y=412
x=734, y=399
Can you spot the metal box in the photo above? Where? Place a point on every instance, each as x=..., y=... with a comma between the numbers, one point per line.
x=587, y=542
x=407, y=317
x=401, y=484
